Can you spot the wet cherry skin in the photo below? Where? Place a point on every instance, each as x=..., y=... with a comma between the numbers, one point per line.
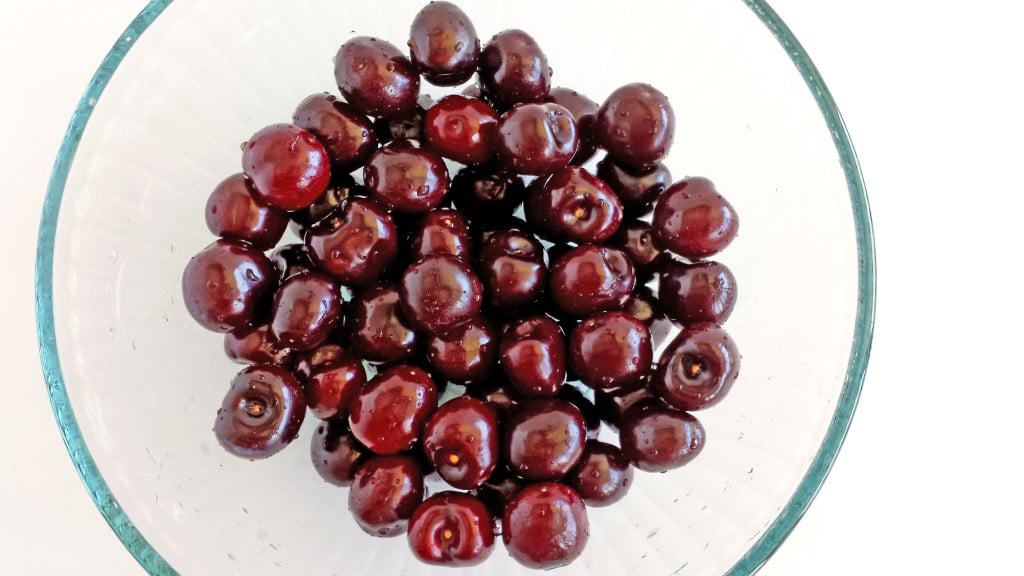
x=545, y=525
x=512, y=269
x=603, y=475
x=637, y=191
x=336, y=455
x=573, y=205
x=487, y=193
x=636, y=125
x=356, y=244
x=443, y=44
x=451, y=529
x=440, y=292
x=376, y=78
x=261, y=412
x=462, y=129
x=288, y=167
x=388, y=414
x=656, y=437
x=235, y=211
x=544, y=439
x=466, y=353
x=589, y=279
x=698, y=368
x=331, y=388
x=536, y=138
x=405, y=178
x=441, y=231
x=695, y=293
x=584, y=112
x=384, y=494
x=513, y=69
x=693, y=220
x=346, y=133
x=291, y=259
x=610, y=350
x=461, y=442
x=307, y=308
x=228, y=285
x=533, y=355
x=256, y=346
x=376, y=328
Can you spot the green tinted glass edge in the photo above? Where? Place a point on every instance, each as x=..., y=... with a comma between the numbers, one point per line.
x=151, y=560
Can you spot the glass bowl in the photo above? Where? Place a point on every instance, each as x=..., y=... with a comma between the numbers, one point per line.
x=135, y=382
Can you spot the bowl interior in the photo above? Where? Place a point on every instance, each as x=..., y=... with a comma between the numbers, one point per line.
x=144, y=381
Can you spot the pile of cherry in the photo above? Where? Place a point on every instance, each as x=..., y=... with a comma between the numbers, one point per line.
x=532, y=317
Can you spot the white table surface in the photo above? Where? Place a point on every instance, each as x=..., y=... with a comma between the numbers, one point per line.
x=930, y=479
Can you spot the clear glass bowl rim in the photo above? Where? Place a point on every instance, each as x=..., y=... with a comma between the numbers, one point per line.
x=755, y=557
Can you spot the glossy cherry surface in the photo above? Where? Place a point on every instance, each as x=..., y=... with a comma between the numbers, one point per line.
x=462, y=129
x=376, y=328
x=261, y=412
x=693, y=220
x=235, y=211
x=584, y=112
x=636, y=125
x=636, y=190
x=590, y=279
x=573, y=205
x=342, y=187
x=440, y=292
x=331, y=389
x=610, y=350
x=442, y=231
x=336, y=455
x=287, y=165
x=291, y=259
x=376, y=78
x=533, y=356
x=603, y=475
x=656, y=437
x=405, y=178
x=698, y=369
x=307, y=308
x=228, y=285
x=487, y=193
x=389, y=413
x=256, y=346
x=461, y=441
x=544, y=439
x=356, y=244
x=700, y=292
x=451, y=529
x=512, y=269
x=514, y=69
x=536, y=138
x=346, y=133
x=545, y=525
x=636, y=239
x=384, y=494
x=466, y=353
x=443, y=43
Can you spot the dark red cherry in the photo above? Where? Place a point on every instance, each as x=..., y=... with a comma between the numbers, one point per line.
x=645, y=307
x=440, y=292
x=341, y=188
x=462, y=129
x=442, y=231
x=256, y=346
x=533, y=355
x=656, y=437
x=545, y=526
x=466, y=353
x=411, y=126
x=443, y=44
x=693, y=220
x=497, y=394
x=405, y=178
x=544, y=439
x=346, y=133
x=636, y=125
x=590, y=279
x=487, y=193
x=228, y=285
x=584, y=112
x=603, y=475
x=637, y=191
x=384, y=494
x=591, y=416
x=536, y=138
x=452, y=529
x=612, y=404
x=356, y=244
x=323, y=357
x=610, y=350
x=698, y=368
x=694, y=293
x=287, y=165
x=335, y=453
x=261, y=412
x=292, y=259
x=514, y=69
x=376, y=328
x=512, y=269
x=636, y=239
x=376, y=78
x=331, y=389
x=461, y=441
x=573, y=205
x=235, y=211
x=390, y=411
x=307, y=308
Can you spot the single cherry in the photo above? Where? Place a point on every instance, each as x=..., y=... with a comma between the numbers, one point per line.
x=292, y=259
x=512, y=269
x=442, y=231
x=307, y=308
x=656, y=437
x=573, y=205
x=376, y=78
x=261, y=412
x=544, y=439
x=335, y=453
x=466, y=353
x=405, y=178
x=545, y=526
x=356, y=244
x=384, y=494
x=700, y=292
x=228, y=286
x=440, y=292
x=346, y=133
x=462, y=129
x=636, y=239
x=331, y=389
x=451, y=529
x=443, y=44
x=376, y=328
x=235, y=211
x=590, y=279
x=584, y=112
x=486, y=193
x=636, y=125
x=287, y=165
x=603, y=475
x=461, y=442
x=536, y=138
x=533, y=355
x=610, y=350
x=256, y=346
x=389, y=412
x=514, y=69
x=693, y=220
x=698, y=368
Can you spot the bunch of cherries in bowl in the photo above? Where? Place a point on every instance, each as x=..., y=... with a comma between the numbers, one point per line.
x=522, y=281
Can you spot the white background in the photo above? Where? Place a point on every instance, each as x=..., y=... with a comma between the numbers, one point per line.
x=930, y=479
